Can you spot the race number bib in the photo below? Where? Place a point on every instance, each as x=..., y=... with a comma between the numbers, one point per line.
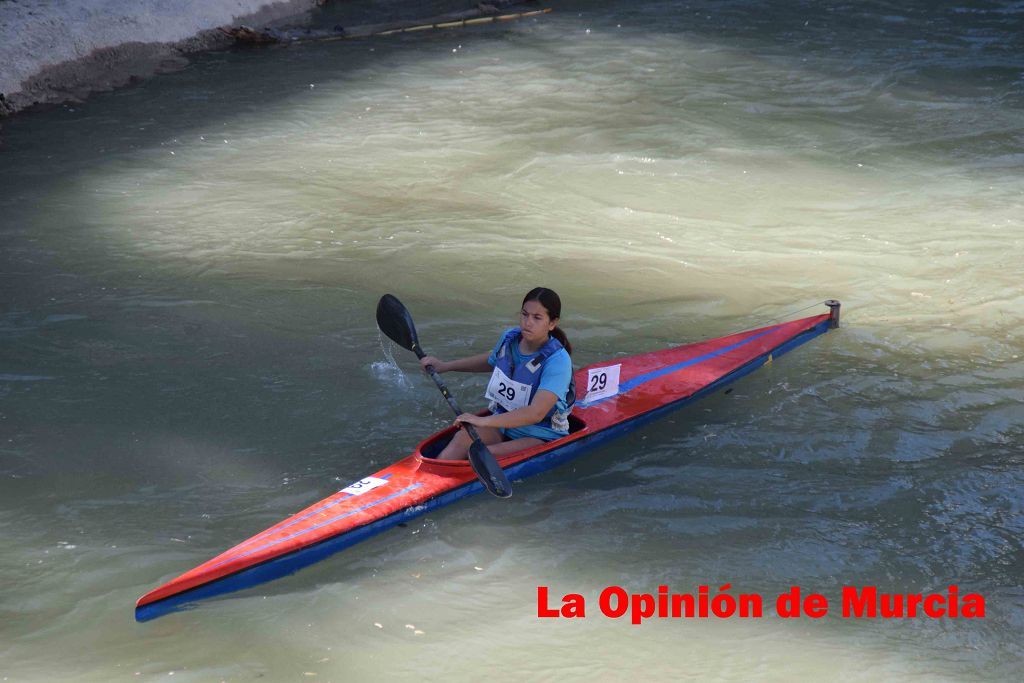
x=506, y=392
x=603, y=382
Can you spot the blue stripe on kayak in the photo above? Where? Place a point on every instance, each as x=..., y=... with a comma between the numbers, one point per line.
x=669, y=369
x=317, y=526
x=305, y=516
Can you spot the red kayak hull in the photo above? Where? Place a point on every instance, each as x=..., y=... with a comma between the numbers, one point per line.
x=650, y=384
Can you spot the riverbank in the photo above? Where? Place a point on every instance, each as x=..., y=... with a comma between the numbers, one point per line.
x=58, y=51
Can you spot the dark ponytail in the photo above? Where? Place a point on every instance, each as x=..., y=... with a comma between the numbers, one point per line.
x=553, y=305
x=558, y=334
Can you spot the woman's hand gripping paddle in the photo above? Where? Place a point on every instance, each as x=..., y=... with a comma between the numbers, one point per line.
x=394, y=320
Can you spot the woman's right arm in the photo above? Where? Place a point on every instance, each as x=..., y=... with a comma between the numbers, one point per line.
x=469, y=364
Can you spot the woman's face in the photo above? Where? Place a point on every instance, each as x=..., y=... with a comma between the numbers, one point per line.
x=534, y=322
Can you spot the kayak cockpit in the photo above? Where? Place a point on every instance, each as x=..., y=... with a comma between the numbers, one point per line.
x=428, y=450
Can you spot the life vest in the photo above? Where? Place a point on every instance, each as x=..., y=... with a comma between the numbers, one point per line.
x=529, y=374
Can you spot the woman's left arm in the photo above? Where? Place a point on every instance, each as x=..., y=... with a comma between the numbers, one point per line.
x=542, y=403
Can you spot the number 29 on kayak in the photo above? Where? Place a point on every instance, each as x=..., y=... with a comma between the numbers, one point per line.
x=602, y=382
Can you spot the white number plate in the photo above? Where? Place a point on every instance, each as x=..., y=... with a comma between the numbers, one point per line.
x=509, y=393
x=602, y=382
x=364, y=485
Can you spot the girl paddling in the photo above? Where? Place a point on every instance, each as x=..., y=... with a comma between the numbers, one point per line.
x=531, y=388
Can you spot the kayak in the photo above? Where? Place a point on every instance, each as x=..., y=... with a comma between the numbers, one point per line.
x=616, y=397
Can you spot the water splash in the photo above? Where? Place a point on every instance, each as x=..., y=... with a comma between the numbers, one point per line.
x=388, y=370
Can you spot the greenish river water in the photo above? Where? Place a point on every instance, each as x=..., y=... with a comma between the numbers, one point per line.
x=188, y=352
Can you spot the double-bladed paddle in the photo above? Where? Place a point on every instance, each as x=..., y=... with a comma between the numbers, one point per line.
x=394, y=320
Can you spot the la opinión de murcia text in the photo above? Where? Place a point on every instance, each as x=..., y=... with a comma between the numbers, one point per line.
x=855, y=602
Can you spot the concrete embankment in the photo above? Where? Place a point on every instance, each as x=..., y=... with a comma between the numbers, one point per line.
x=52, y=51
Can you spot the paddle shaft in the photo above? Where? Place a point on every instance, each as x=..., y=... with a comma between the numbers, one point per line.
x=483, y=463
x=444, y=391
x=394, y=320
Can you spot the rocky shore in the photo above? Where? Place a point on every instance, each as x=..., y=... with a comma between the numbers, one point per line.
x=58, y=50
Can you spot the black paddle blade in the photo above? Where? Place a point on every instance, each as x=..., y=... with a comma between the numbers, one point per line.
x=489, y=471
x=394, y=320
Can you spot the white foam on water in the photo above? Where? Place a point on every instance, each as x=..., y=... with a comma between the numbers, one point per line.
x=388, y=370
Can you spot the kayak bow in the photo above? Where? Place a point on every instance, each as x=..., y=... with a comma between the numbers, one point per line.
x=620, y=396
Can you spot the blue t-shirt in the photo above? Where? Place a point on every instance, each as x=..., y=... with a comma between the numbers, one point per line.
x=555, y=377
